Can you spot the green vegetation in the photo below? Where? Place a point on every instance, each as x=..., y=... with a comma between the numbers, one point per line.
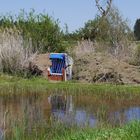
x=129, y=132
x=112, y=28
x=137, y=55
x=61, y=132
x=41, y=29
x=15, y=85
x=137, y=29
x=22, y=129
x=40, y=33
x=23, y=36
x=46, y=35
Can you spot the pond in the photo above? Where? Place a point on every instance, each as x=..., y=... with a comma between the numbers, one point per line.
x=79, y=110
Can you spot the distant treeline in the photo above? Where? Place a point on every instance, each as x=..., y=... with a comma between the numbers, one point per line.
x=42, y=29
x=46, y=34
x=28, y=33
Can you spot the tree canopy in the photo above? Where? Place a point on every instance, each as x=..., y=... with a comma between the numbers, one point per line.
x=41, y=29
x=137, y=29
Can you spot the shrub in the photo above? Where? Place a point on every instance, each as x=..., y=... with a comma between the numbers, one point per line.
x=15, y=52
x=137, y=55
x=137, y=29
x=112, y=28
x=43, y=31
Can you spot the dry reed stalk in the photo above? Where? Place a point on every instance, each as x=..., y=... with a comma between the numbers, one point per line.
x=14, y=51
x=84, y=47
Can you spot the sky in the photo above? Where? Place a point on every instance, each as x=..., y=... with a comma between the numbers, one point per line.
x=74, y=13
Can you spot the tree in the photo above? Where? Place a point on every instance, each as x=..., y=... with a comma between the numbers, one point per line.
x=42, y=30
x=103, y=6
x=110, y=28
x=137, y=29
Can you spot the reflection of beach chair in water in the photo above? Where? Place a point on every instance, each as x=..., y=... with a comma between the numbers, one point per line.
x=61, y=68
x=58, y=103
x=61, y=103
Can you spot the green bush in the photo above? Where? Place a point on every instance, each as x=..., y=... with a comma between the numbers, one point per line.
x=137, y=29
x=41, y=29
x=137, y=56
x=112, y=28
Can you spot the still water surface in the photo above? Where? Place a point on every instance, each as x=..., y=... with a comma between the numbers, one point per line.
x=80, y=110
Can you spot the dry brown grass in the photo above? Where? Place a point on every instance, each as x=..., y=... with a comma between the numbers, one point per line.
x=14, y=51
x=83, y=47
x=97, y=63
x=123, y=51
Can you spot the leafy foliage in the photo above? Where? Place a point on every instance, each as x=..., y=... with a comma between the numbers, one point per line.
x=137, y=56
x=137, y=29
x=41, y=29
x=112, y=28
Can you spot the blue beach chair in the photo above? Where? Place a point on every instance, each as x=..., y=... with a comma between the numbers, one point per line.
x=58, y=71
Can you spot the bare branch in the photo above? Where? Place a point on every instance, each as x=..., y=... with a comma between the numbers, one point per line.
x=103, y=10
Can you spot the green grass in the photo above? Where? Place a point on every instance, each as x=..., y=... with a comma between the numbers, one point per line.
x=12, y=85
x=130, y=131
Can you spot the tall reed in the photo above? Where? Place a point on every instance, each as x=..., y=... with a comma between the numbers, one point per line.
x=15, y=52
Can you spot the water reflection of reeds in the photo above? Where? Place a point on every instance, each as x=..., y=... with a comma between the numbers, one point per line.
x=34, y=112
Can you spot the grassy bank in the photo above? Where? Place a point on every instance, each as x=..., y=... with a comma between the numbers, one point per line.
x=58, y=132
x=12, y=85
x=24, y=129
x=128, y=132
